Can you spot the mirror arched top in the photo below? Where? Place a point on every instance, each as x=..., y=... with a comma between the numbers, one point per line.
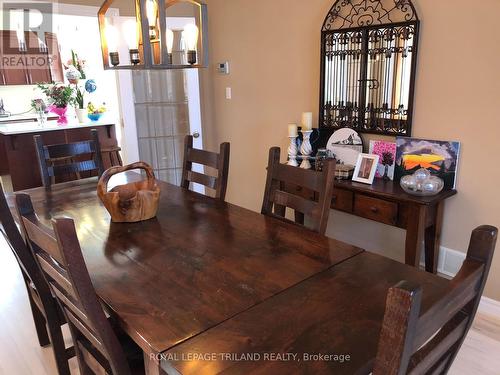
x=346, y=14
x=368, y=64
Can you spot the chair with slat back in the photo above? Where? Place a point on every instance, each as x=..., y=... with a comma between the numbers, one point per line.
x=99, y=344
x=276, y=199
x=411, y=343
x=113, y=155
x=69, y=153
x=47, y=315
x=219, y=162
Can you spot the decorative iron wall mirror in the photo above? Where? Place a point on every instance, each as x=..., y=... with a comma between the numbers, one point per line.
x=368, y=63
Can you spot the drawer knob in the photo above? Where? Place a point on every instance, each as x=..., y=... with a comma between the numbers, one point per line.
x=374, y=209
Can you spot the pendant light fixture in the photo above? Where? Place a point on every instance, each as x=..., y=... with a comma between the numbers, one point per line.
x=154, y=34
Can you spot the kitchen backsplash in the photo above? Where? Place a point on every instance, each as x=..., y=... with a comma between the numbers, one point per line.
x=17, y=99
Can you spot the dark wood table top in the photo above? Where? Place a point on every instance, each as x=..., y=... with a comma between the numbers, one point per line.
x=392, y=190
x=338, y=312
x=199, y=263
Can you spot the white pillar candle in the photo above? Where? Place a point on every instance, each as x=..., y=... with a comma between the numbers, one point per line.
x=307, y=121
x=293, y=130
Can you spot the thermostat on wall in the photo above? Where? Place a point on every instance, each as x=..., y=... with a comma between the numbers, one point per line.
x=223, y=67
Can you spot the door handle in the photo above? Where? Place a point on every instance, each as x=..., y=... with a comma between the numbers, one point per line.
x=196, y=135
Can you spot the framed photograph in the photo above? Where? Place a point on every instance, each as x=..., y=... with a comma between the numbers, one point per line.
x=438, y=157
x=366, y=167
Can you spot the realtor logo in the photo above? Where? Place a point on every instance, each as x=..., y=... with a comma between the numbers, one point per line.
x=23, y=36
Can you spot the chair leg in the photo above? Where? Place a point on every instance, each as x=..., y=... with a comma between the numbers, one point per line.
x=58, y=347
x=77, y=174
x=40, y=323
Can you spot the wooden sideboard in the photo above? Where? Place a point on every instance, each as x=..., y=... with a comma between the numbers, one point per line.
x=386, y=202
x=18, y=158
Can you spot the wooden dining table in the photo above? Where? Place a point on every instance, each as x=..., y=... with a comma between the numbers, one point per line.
x=209, y=287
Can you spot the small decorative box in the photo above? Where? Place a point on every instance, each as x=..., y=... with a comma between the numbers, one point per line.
x=344, y=171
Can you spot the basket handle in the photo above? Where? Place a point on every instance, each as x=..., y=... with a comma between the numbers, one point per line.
x=102, y=186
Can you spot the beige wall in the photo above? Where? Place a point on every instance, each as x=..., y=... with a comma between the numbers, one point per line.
x=273, y=48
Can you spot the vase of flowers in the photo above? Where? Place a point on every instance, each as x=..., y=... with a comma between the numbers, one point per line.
x=39, y=106
x=60, y=96
x=75, y=64
x=75, y=71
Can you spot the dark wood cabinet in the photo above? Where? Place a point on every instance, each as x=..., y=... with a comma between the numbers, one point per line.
x=13, y=69
x=30, y=64
x=19, y=162
x=55, y=66
x=37, y=60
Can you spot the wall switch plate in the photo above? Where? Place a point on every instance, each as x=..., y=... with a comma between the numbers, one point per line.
x=229, y=93
x=223, y=67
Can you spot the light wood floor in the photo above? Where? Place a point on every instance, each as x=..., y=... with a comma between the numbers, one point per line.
x=20, y=353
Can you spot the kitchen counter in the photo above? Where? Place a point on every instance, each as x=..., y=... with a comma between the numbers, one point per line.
x=19, y=167
x=27, y=117
x=30, y=127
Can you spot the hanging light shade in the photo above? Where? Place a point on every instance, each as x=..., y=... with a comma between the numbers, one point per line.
x=154, y=34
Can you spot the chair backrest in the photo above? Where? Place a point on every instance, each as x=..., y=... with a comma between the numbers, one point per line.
x=276, y=199
x=60, y=258
x=411, y=343
x=31, y=272
x=219, y=162
x=68, y=151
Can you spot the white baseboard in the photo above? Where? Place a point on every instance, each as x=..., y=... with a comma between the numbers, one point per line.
x=449, y=264
x=489, y=307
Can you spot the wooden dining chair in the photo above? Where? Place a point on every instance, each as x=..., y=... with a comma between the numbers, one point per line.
x=278, y=195
x=99, y=344
x=47, y=316
x=63, y=159
x=219, y=162
x=411, y=343
x=113, y=155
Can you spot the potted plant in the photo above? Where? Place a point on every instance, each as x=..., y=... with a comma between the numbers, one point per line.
x=81, y=111
x=60, y=96
x=75, y=70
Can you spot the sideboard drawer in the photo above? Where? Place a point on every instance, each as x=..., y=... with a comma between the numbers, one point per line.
x=342, y=200
x=376, y=209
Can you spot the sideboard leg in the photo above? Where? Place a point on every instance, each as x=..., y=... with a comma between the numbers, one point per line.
x=433, y=239
x=415, y=234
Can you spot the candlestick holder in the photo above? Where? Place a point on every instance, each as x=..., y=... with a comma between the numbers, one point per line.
x=306, y=149
x=293, y=151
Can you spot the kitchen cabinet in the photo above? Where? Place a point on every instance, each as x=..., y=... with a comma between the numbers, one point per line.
x=37, y=60
x=13, y=70
x=56, y=68
x=30, y=65
x=19, y=166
